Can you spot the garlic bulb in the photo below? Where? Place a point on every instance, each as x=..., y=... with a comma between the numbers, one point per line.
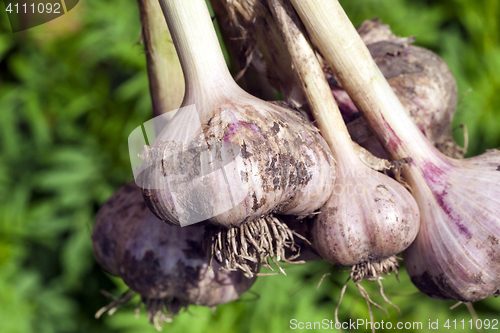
x=455, y=255
x=420, y=79
x=164, y=264
x=229, y=158
x=273, y=160
x=369, y=217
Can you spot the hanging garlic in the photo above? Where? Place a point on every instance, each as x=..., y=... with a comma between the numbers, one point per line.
x=369, y=218
x=164, y=264
x=456, y=253
x=229, y=158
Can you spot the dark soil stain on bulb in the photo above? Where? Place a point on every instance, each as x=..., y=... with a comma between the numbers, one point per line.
x=493, y=240
x=275, y=129
x=498, y=169
x=435, y=286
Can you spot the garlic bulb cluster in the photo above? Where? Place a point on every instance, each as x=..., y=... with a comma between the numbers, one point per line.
x=369, y=217
x=165, y=264
x=455, y=255
x=251, y=158
x=228, y=158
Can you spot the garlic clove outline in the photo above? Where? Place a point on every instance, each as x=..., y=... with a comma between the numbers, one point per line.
x=456, y=254
x=368, y=218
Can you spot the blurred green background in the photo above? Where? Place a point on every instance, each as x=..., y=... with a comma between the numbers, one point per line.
x=72, y=90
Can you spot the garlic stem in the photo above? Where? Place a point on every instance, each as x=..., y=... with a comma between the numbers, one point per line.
x=166, y=82
x=252, y=26
x=202, y=61
x=339, y=42
x=318, y=92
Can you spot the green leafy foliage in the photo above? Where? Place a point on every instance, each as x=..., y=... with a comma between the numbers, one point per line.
x=70, y=93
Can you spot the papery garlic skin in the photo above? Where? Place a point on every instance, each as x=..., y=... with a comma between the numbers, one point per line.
x=368, y=218
x=157, y=260
x=457, y=253
x=421, y=80
x=250, y=158
x=227, y=157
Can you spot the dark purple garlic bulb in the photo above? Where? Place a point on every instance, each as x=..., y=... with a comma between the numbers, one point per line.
x=230, y=159
x=165, y=264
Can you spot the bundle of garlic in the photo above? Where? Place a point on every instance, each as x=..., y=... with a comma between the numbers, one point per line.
x=230, y=159
x=455, y=255
x=235, y=163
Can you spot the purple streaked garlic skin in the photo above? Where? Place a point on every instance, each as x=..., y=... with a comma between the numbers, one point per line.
x=157, y=260
x=457, y=253
x=251, y=158
x=227, y=157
